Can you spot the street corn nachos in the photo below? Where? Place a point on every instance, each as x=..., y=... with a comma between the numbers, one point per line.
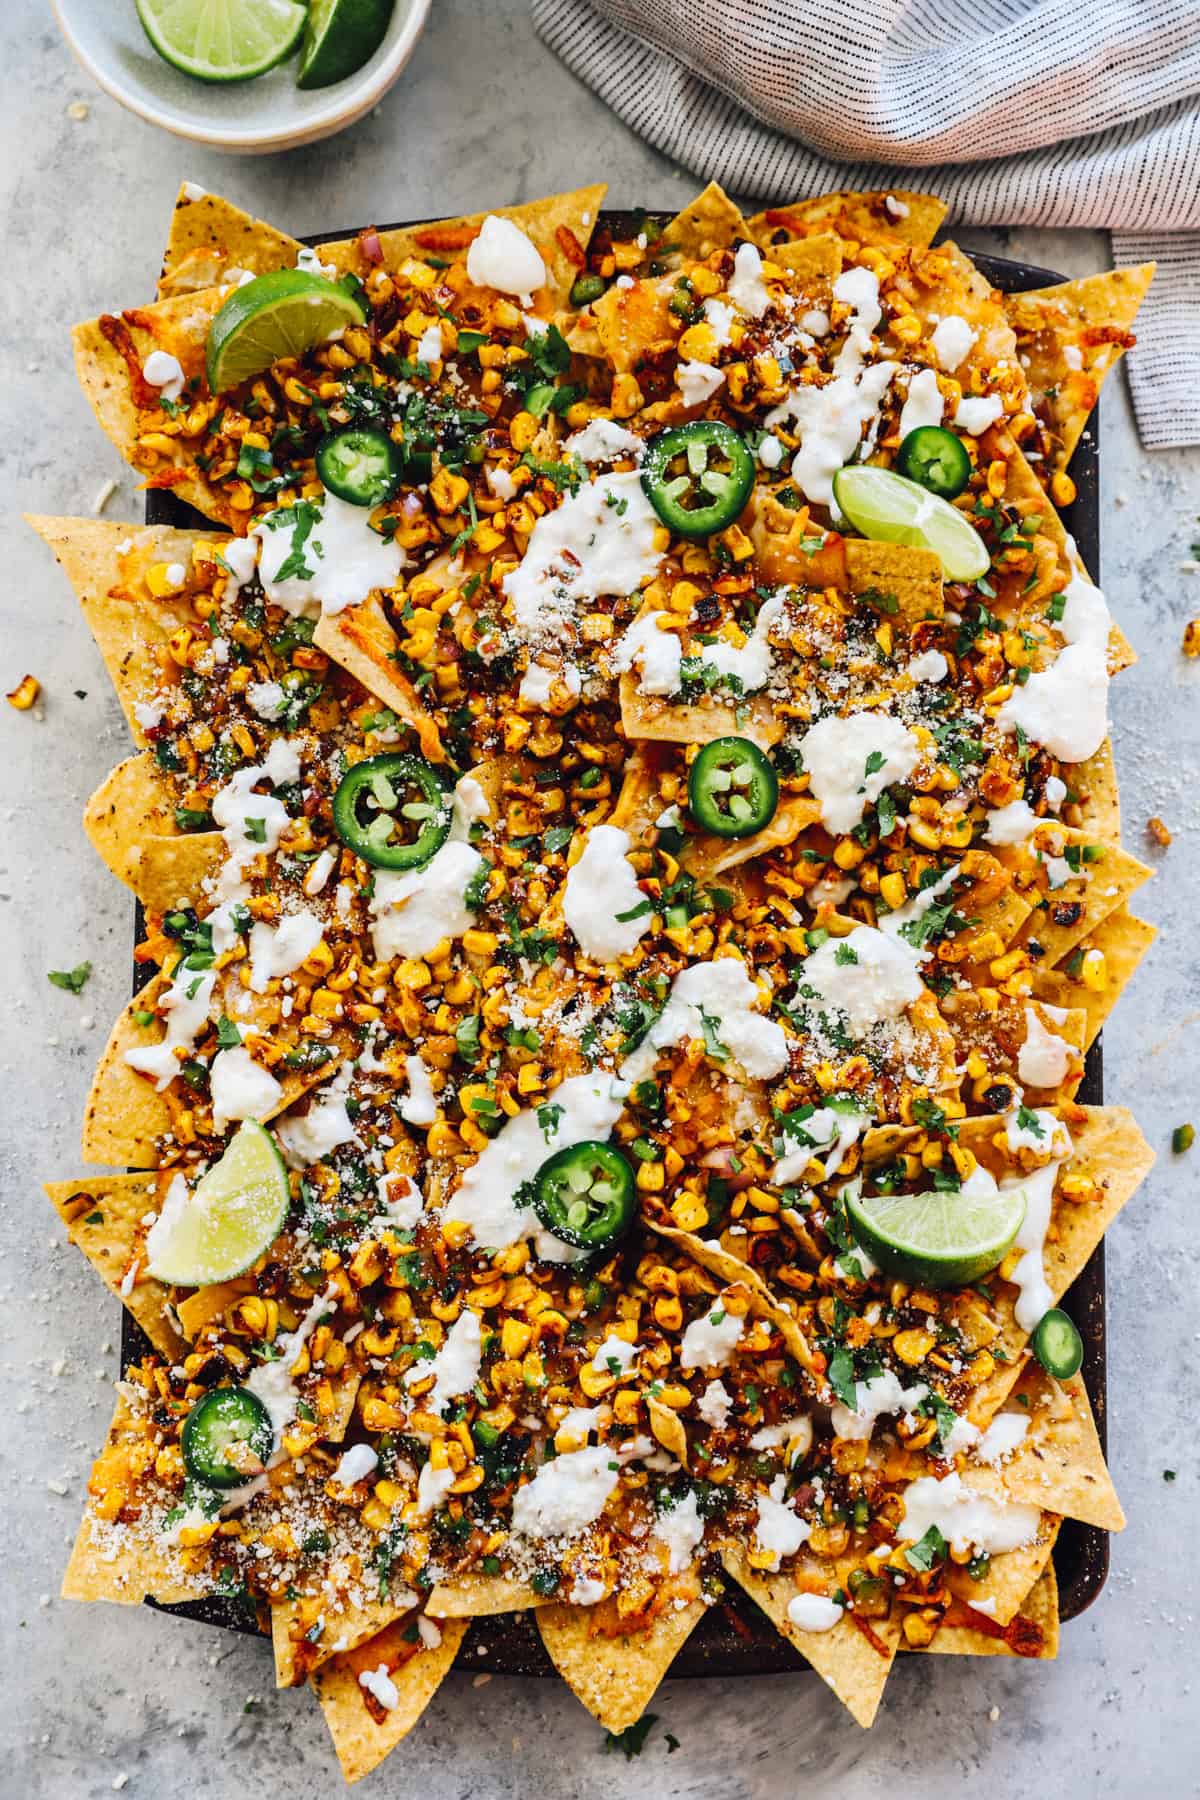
x=631, y=865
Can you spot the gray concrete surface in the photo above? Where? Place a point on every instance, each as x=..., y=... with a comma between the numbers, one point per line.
x=98, y=1700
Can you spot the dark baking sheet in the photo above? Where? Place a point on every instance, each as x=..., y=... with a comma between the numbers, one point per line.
x=735, y=1638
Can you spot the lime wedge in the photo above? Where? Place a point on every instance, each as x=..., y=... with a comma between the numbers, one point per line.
x=222, y=40
x=938, y=1239
x=236, y=1212
x=890, y=509
x=340, y=37
x=282, y=314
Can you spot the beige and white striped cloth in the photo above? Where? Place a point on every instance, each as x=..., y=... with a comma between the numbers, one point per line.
x=1018, y=112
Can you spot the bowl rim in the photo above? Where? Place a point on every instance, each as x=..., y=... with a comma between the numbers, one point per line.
x=345, y=111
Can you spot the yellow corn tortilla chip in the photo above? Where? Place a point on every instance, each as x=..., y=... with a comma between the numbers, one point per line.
x=1009, y=1577
x=109, y=355
x=560, y=225
x=361, y=1740
x=615, y=1677
x=130, y=823
x=1100, y=889
x=106, y=564
x=729, y=1268
x=1060, y=1464
x=362, y=640
x=126, y=1568
x=211, y=238
x=1023, y=489
x=1095, y=781
x=853, y=1665
x=864, y=218
x=205, y=1304
x=709, y=222
x=1038, y=1609
x=1070, y=337
x=1124, y=940
x=675, y=722
x=296, y=1658
x=809, y=261
x=102, y=1214
x=478, y=1596
x=126, y=1116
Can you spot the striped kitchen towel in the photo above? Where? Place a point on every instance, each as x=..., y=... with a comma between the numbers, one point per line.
x=1018, y=112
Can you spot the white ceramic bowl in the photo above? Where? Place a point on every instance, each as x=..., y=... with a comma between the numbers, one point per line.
x=253, y=117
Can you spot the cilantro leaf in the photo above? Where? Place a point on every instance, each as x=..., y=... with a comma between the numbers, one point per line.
x=73, y=980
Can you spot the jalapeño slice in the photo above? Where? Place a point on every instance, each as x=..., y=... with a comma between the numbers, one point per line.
x=227, y=1438
x=698, y=476
x=360, y=465
x=936, y=459
x=1057, y=1344
x=380, y=799
x=585, y=1195
x=732, y=788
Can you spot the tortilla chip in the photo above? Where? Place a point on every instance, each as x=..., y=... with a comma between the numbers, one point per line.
x=1023, y=489
x=615, y=1673
x=362, y=1741
x=109, y=354
x=1009, y=1577
x=130, y=823
x=710, y=222
x=560, y=225
x=677, y=722
x=910, y=578
x=862, y=218
x=1070, y=337
x=729, y=1268
x=296, y=1659
x=1095, y=781
x=809, y=261
x=102, y=1214
x=105, y=564
x=478, y=1596
x=1060, y=1465
x=1100, y=889
x=126, y=1116
x=205, y=1304
x=129, y=1569
x=1124, y=941
x=856, y=1666
x=213, y=241
x=362, y=640
x=1039, y=1610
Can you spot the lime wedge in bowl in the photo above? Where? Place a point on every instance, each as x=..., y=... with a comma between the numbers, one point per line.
x=222, y=40
x=939, y=1239
x=340, y=37
x=235, y=1213
x=890, y=509
x=282, y=314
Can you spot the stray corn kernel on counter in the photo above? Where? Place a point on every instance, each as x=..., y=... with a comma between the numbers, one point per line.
x=623, y=810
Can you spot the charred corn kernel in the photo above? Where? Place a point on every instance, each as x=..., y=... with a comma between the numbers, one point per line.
x=892, y=890
x=25, y=693
x=737, y=543
x=480, y=943
x=919, y=1628
x=848, y=854
x=1078, y=1188
x=1191, y=638
x=448, y=491
x=997, y=478
x=924, y=833
x=256, y=1316
x=627, y=397
x=1093, y=970
x=689, y=1212
x=668, y=1312
x=376, y=1516
x=515, y=1337
x=626, y=1405
x=1001, y=967
x=699, y=343
x=907, y=329
x=178, y=645
x=651, y=1178
x=1062, y=489
x=675, y=1395
x=522, y=431
x=912, y=1347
